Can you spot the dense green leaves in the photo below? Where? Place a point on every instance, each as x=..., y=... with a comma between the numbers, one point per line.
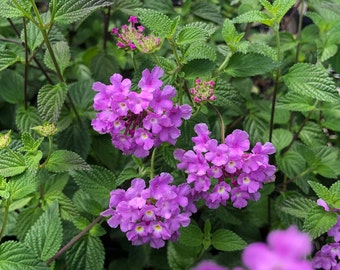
x=7, y=58
x=11, y=163
x=226, y=240
x=191, y=236
x=63, y=160
x=62, y=56
x=311, y=81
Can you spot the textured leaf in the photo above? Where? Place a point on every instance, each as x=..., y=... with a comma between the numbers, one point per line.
x=62, y=54
x=198, y=68
x=191, y=236
x=199, y=50
x=34, y=36
x=291, y=163
x=281, y=138
x=256, y=127
x=22, y=185
x=328, y=52
x=180, y=256
x=7, y=58
x=126, y=174
x=207, y=11
x=318, y=221
x=295, y=102
x=226, y=94
x=298, y=207
x=15, y=255
x=329, y=158
x=245, y=65
x=103, y=66
x=11, y=163
x=26, y=119
x=254, y=16
x=30, y=144
x=230, y=35
x=63, y=160
x=27, y=217
x=227, y=240
x=208, y=28
x=50, y=100
x=45, y=236
x=189, y=35
x=157, y=22
x=312, y=81
x=69, y=11
x=98, y=182
x=11, y=86
x=86, y=254
x=321, y=191
x=126, y=6
x=312, y=134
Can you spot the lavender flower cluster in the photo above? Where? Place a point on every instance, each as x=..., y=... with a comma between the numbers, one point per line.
x=138, y=121
x=328, y=257
x=246, y=172
x=151, y=215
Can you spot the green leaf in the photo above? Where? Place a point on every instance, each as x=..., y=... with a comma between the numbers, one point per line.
x=7, y=58
x=226, y=94
x=11, y=163
x=11, y=86
x=329, y=158
x=281, y=138
x=321, y=191
x=227, y=240
x=312, y=81
x=191, y=236
x=298, y=207
x=22, y=185
x=295, y=102
x=207, y=28
x=126, y=6
x=198, y=68
x=312, y=134
x=328, y=52
x=15, y=255
x=318, y=221
x=63, y=160
x=245, y=65
x=254, y=16
x=291, y=163
x=27, y=118
x=180, y=256
x=45, y=236
x=86, y=254
x=188, y=35
x=50, y=101
x=207, y=11
x=98, y=182
x=62, y=55
x=30, y=144
x=34, y=36
x=9, y=10
x=103, y=66
x=199, y=50
x=69, y=11
x=27, y=217
x=230, y=35
x=126, y=174
x=157, y=22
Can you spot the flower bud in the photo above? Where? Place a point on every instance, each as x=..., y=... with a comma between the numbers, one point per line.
x=46, y=130
x=5, y=139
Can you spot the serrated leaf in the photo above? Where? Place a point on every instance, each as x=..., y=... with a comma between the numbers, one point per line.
x=329, y=158
x=226, y=94
x=126, y=6
x=321, y=191
x=7, y=58
x=199, y=50
x=198, y=68
x=255, y=126
x=281, y=138
x=295, y=102
x=98, y=182
x=318, y=221
x=207, y=11
x=69, y=11
x=156, y=21
x=291, y=163
x=103, y=66
x=15, y=255
x=312, y=81
x=34, y=36
x=63, y=160
x=298, y=207
x=208, y=28
x=226, y=240
x=22, y=185
x=50, y=101
x=191, y=236
x=230, y=35
x=190, y=35
x=11, y=163
x=312, y=134
x=86, y=254
x=126, y=174
x=27, y=217
x=11, y=86
x=254, y=16
x=45, y=236
x=328, y=52
x=27, y=118
x=62, y=55
x=245, y=65
x=9, y=10
x=30, y=144
x=180, y=256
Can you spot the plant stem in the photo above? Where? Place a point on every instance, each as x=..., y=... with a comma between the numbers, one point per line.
x=152, y=165
x=221, y=121
x=2, y=231
x=276, y=84
x=73, y=240
x=26, y=65
x=106, y=27
x=50, y=145
x=223, y=65
x=298, y=36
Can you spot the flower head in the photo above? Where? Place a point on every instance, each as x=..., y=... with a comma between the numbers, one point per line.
x=203, y=91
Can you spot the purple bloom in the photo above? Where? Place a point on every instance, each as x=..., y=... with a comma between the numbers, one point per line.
x=161, y=101
x=239, y=198
x=217, y=154
x=208, y=265
x=150, y=80
x=219, y=195
x=335, y=231
x=202, y=137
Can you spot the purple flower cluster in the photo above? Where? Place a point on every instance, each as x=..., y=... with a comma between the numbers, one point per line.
x=203, y=91
x=131, y=37
x=138, y=121
x=150, y=215
x=285, y=250
x=239, y=174
x=328, y=257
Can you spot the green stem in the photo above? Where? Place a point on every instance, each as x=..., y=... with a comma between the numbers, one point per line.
x=26, y=65
x=152, y=165
x=276, y=84
x=134, y=61
x=223, y=65
x=4, y=223
x=50, y=146
x=26, y=14
x=221, y=121
x=73, y=240
x=298, y=36
x=174, y=50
